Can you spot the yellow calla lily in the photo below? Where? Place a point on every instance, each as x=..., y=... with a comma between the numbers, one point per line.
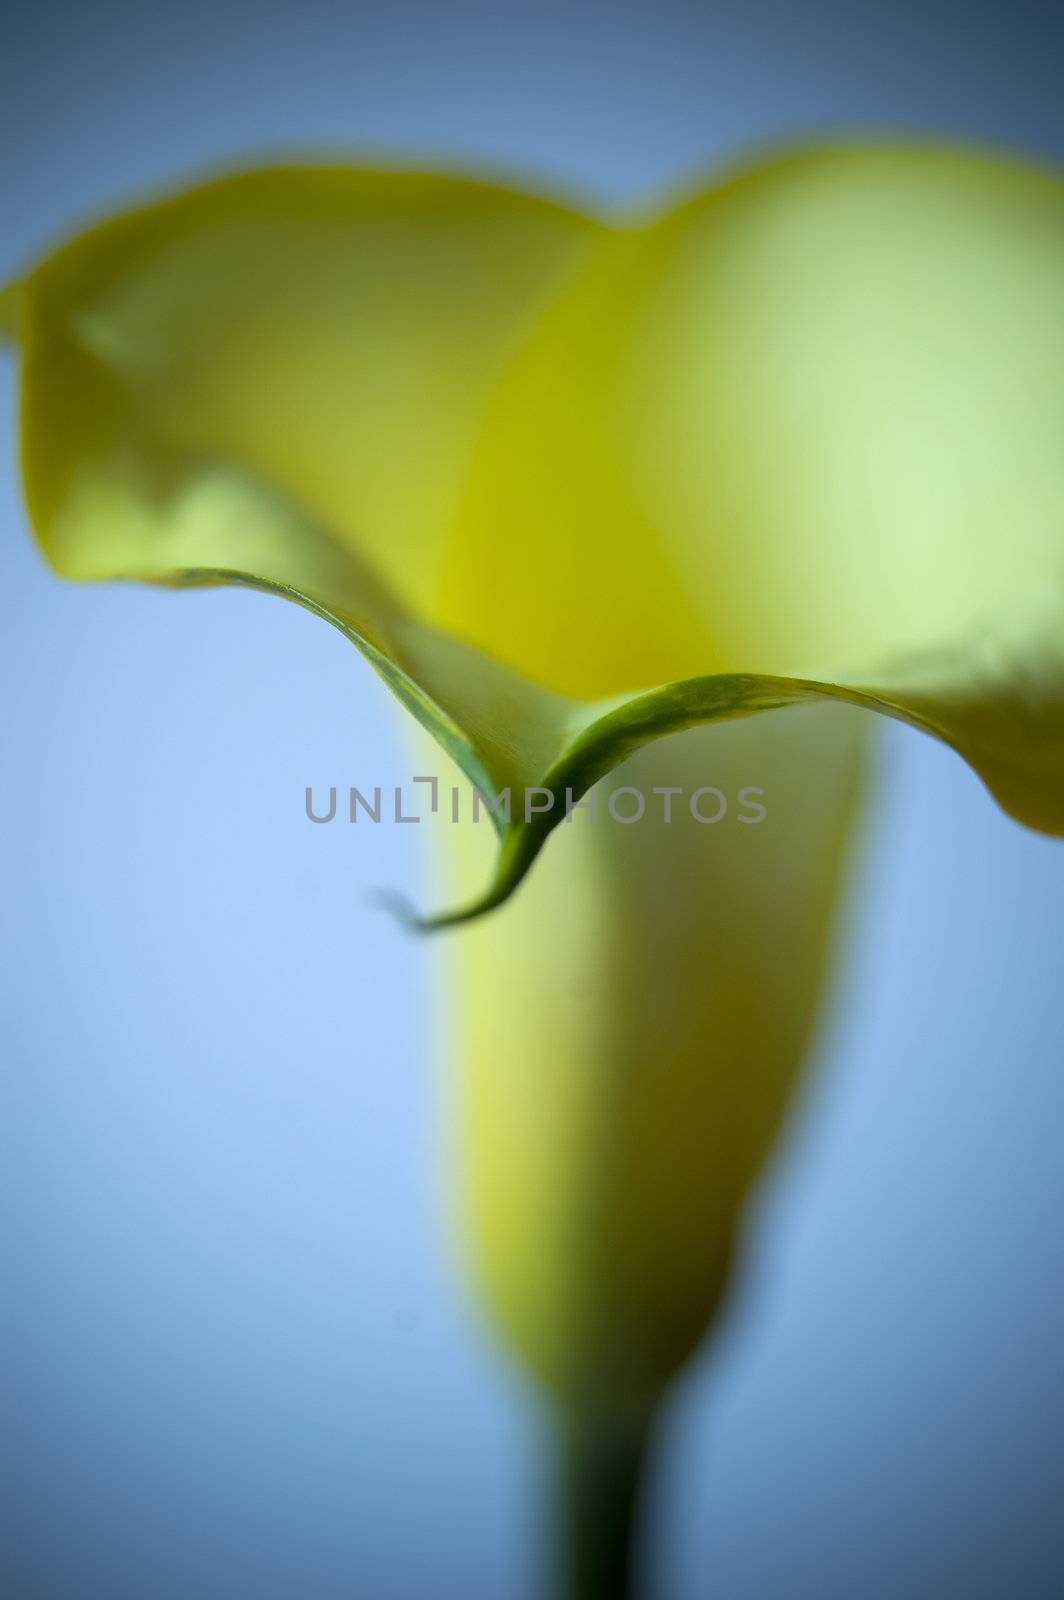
x=587, y=493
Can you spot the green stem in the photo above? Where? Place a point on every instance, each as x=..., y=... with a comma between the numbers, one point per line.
x=602, y=1465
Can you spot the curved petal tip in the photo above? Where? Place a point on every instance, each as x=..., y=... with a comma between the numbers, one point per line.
x=414, y=921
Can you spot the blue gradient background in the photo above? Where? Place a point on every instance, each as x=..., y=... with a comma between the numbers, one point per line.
x=236, y=1360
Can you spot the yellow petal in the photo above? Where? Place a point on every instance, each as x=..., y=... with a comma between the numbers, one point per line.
x=275, y=379
x=831, y=392
x=331, y=332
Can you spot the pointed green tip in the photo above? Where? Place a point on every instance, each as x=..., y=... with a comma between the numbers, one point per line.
x=520, y=848
x=414, y=922
x=397, y=906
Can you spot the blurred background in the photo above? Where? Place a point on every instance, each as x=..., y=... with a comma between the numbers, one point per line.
x=235, y=1358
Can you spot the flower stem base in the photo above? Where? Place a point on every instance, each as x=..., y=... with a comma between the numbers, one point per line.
x=603, y=1455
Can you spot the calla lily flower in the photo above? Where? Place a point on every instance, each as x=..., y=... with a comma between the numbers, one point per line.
x=695, y=492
